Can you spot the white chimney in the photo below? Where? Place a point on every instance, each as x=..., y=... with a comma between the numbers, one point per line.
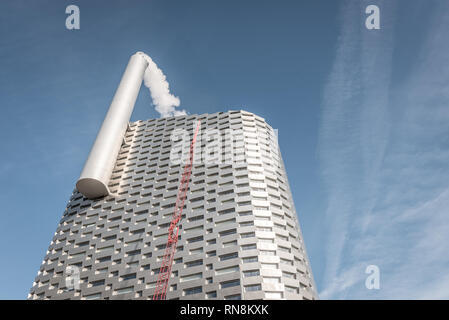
x=94, y=179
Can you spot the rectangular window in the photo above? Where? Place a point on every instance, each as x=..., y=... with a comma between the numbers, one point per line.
x=195, y=239
x=284, y=249
x=227, y=270
x=196, y=250
x=105, y=248
x=264, y=229
x=291, y=289
x=287, y=262
x=124, y=290
x=191, y=277
x=251, y=273
x=273, y=295
x=249, y=259
x=196, y=218
x=102, y=270
x=103, y=259
x=77, y=255
x=194, y=263
x=249, y=246
x=288, y=275
x=194, y=290
x=248, y=235
x=229, y=244
x=229, y=256
x=228, y=232
x=233, y=297
x=94, y=296
x=230, y=283
x=271, y=280
x=128, y=276
x=133, y=253
x=266, y=240
x=211, y=253
x=254, y=287
x=197, y=228
x=139, y=231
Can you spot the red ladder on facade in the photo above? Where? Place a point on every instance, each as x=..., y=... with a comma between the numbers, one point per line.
x=173, y=229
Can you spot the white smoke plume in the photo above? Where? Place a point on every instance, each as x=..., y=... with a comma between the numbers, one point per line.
x=164, y=102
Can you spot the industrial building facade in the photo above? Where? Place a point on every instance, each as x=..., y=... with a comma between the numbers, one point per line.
x=239, y=235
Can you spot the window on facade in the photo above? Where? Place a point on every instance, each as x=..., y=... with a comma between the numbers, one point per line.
x=249, y=246
x=194, y=290
x=229, y=256
x=191, y=277
x=227, y=270
x=128, y=276
x=251, y=273
x=247, y=235
x=227, y=232
x=249, y=259
x=195, y=239
x=253, y=287
x=230, y=283
x=194, y=263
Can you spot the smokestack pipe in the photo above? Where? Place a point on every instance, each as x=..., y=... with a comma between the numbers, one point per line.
x=94, y=179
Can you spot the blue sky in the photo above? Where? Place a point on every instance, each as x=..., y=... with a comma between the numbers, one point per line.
x=362, y=118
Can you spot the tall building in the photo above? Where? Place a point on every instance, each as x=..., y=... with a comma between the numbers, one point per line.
x=240, y=235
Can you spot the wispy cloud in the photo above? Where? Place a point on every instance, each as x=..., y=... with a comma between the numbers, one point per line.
x=384, y=152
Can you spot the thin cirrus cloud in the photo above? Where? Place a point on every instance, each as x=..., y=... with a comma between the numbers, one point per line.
x=384, y=154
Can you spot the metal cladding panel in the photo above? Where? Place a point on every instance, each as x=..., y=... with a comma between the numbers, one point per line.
x=94, y=179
